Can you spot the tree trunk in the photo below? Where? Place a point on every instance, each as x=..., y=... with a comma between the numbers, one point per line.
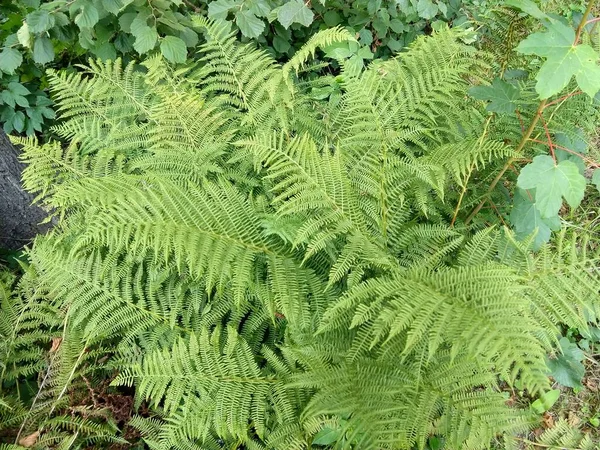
x=19, y=219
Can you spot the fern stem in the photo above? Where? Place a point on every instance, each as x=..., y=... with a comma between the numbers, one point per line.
x=466, y=183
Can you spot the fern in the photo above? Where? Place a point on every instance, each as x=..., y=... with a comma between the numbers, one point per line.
x=262, y=265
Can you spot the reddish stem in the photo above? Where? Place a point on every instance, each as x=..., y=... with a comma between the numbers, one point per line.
x=564, y=97
x=590, y=161
x=550, y=143
x=592, y=21
x=520, y=121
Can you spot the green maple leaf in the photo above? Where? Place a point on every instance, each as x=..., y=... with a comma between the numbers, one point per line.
x=563, y=61
x=502, y=96
x=526, y=219
x=567, y=369
x=552, y=182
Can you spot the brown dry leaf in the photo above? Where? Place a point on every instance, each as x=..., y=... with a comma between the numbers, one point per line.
x=29, y=441
x=573, y=419
x=548, y=420
x=56, y=341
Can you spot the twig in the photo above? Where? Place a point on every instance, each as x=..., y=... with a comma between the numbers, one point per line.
x=191, y=5
x=587, y=12
x=550, y=143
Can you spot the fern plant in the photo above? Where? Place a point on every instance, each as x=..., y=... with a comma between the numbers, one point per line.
x=265, y=267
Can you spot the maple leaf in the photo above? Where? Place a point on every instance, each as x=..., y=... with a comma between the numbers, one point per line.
x=564, y=60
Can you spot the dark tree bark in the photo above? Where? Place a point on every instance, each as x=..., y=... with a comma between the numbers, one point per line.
x=19, y=219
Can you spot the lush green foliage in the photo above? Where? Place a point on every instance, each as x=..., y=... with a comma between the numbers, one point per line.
x=60, y=33
x=273, y=271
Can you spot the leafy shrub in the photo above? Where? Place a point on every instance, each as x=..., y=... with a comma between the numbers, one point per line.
x=60, y=33
x=271, y=271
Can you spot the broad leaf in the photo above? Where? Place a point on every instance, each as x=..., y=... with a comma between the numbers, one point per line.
x=567, y=368
x=563, y=60
x=526, y=219
x=10, y=60
x=576, y=144
x=427, y=9
x=250, y=25
x=502, y=96
x=87, y=17
x=295, y=11
x=527, y=6
x=173, y=49
x=145, y=38
x=39, y=21
x=596, y=179
x=546, y=401
x=112, y=6
x=43, y=51
x=220, y=9
x=326, y=436
x=552, y=182
x=24, y=36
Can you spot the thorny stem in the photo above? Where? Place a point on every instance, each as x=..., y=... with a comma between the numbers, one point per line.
x=538, y=114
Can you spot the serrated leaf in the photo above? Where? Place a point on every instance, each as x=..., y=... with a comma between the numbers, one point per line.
x=17, y=88
x=526, y=219
x=567, y=368
x=105, y=51
x=43, y=50
x=502, y=96
x=10, y=60
x=552, y=182
x=280, y=44
x=577, y=146
x=563, y=60
x=18, y=121
x=87, y=17
x=189, y=36
x=427, y=9
x=295, y=11
x=39, y=21
x=24, y=36
x=250, y=25
x=112, y=6
x=220, y=9
x=527, y=6
x=145, y=38
x=173, y=49
x=126, y=20
x=326, y=436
